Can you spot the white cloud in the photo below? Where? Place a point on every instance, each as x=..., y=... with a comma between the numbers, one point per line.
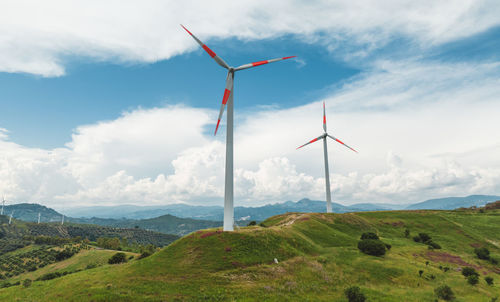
x=423, y=130
x=37, y=37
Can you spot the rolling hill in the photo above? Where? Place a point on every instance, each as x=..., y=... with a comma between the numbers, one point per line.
x=317, y=259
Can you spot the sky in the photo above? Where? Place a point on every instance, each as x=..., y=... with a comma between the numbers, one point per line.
x=108, y=103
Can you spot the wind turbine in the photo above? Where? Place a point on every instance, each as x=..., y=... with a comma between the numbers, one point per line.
x=228, y=99
x=3, y=204
x=327, y=173
x=38, y=217
x=62, y=220
x=10, y=218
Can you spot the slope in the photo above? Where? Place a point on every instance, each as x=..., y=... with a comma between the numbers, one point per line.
x=317, y=256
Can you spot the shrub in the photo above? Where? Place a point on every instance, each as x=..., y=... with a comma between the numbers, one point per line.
x=388, y=246
x=493, y=261
x=372, y=247
x=407, y=233
x=416, y=239
x=469, y=271
x=27, y=283
x=118, y=258
x=369, y=235
x=49, y=276
x=253, y=222
x=482, y=253
x=473, y=279
x=444, y=292
x=354, y=294
x=420, y=272
x=145, y=254
x=432, y=244
x=424, y=237
x=489, y=280
x=91, y=265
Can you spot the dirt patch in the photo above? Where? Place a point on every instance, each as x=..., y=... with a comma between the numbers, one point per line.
x=208, y=234
x=394, y=223
x=476, y=245
x=449, y=258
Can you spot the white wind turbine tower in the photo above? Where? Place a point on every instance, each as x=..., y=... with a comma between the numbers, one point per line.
x=3, y=204
x=325, y=151
x=10, y=218
x=62, y=220
x=228, y=99
x=38, y=217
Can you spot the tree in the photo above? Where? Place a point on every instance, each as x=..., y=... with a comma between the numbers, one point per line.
x=444, y=292
x=118, y=258
x=469, y=271
x=372, y=247
x=27, y=283
x=489, y=280
x=354, y=294
x=253, y=222
x=473, y=279
x=482, y=253
x=369, y=235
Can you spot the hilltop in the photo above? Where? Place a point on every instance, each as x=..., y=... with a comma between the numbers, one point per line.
x=317, y=259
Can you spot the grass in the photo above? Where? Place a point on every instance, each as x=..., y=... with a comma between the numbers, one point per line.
x=317, y=257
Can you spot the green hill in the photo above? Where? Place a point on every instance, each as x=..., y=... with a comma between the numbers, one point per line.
x=318, y=259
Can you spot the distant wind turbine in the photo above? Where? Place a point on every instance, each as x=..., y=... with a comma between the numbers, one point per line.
x=38, y=217
x=62, y=220
x=3, y=204
x=228, y=99
x=10, y=218
x=327, y=173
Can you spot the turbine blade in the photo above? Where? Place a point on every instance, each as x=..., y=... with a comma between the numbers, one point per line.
x=341, y=142
x=254, y=64
x=324, y=117
x=312, y=141
x=208, y=50
x=225, y=97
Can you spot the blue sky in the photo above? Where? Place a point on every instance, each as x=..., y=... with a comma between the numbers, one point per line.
x=106, y=108
x=42, y=112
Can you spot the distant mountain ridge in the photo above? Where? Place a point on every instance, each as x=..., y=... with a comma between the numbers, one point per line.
x=215, y=213
x=450, y=203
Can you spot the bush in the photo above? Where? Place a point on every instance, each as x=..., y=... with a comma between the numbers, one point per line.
x=372, y=247
x=444, y=292
x=469, y=271
x=407, y=233
x=91, y=266
x=388, y=246
x=473, y=279
x=424, y=237
x=489, y=280
x=416, y=239
x=49, y=276
x=253, y=222
x=420, y=272
x=482, y=253
x=144, y=254
x=432, y=244
x=27, y=283
x=354, y=294
x=493, y=261
x=118, y=258
x=369, y=235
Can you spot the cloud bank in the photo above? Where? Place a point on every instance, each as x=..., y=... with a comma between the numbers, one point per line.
x=39, y=37
x=423, y=130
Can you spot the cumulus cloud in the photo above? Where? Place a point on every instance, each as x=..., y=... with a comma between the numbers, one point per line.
x=423, y=131
x=38, y=37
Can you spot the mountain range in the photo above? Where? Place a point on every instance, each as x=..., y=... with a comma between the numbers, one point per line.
x=215, y=213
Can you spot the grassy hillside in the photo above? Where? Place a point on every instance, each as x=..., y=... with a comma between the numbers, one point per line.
x=318, y=259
